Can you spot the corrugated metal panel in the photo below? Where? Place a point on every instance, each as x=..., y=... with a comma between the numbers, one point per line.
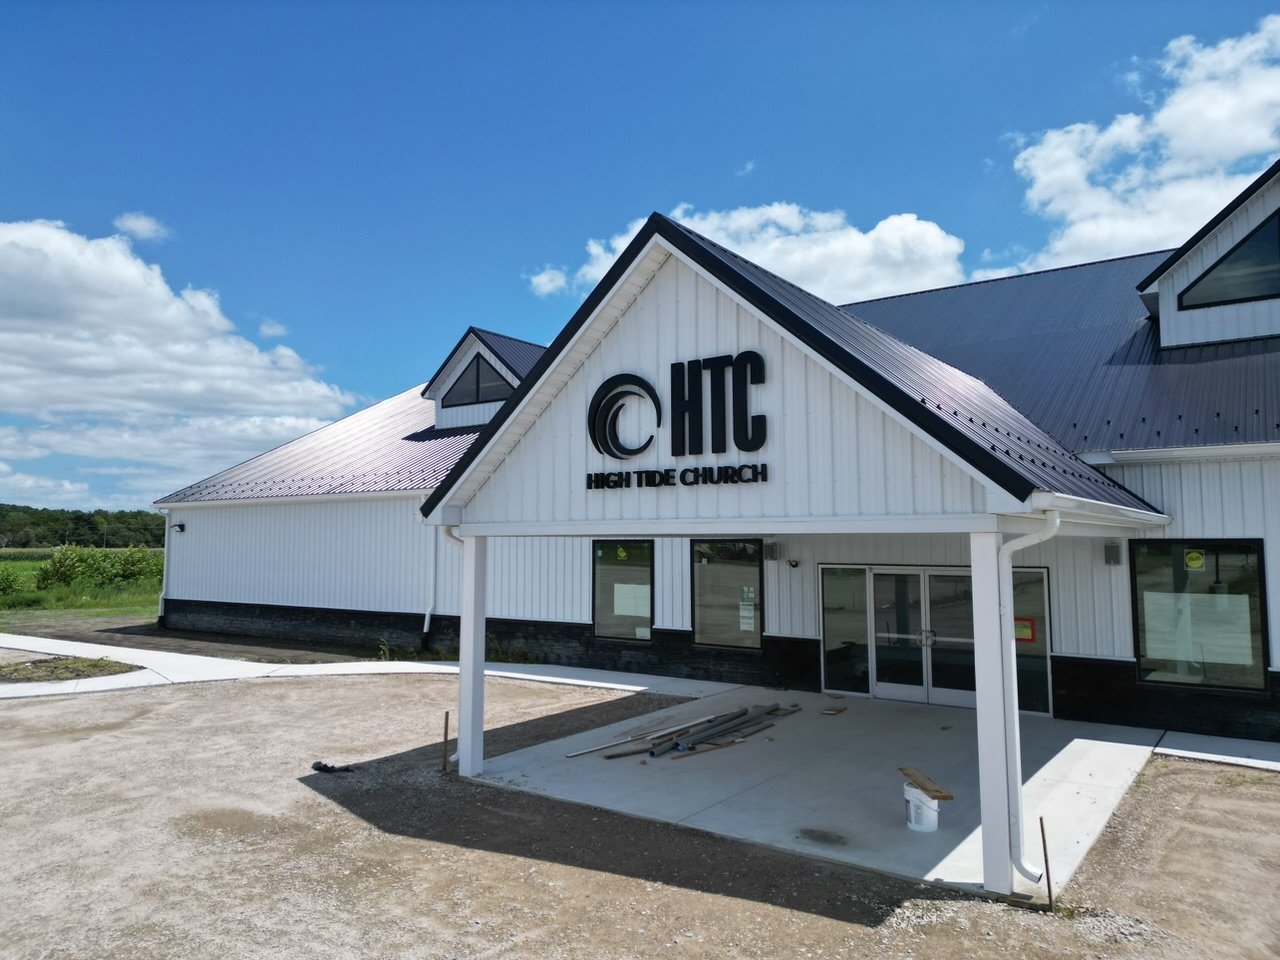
x=831, y=451
x=344, y=555
x=390, y=446
x=1074, y=350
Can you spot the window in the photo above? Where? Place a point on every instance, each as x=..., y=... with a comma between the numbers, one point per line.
x=1198, y=611
x=726, y=592
x=479, y=383
x=1250, y=271
x=623, y=589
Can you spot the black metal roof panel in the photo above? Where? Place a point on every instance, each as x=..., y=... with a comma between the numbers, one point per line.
x=518, y=355
x=1075, y=350
x=390, y=446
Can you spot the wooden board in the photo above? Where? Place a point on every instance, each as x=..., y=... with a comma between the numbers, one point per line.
x=924, y=784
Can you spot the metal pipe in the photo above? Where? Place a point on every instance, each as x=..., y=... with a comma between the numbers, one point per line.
x=452, y=535
x=731, y=724
x=670, y=745
x=1009, y=665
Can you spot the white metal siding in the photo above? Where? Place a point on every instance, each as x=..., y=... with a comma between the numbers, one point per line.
x=1235, y=321
x=830, y=449
x=1218, y=499
x=344, y=555
x=529, y=578
x=469, y=415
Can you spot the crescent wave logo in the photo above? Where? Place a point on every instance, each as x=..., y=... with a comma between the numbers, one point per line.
x=607, y=404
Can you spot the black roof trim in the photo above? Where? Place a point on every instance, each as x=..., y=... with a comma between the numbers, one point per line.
x=1263, y=179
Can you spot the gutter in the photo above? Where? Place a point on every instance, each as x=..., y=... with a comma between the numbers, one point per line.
x=1009, y=663
x=431, y=584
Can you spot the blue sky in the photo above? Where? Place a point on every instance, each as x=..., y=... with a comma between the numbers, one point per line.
x=224, y=224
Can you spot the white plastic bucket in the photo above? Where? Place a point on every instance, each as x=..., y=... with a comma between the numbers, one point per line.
x=922, y=812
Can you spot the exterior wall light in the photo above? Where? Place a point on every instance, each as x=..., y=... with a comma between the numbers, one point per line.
x=178, y=527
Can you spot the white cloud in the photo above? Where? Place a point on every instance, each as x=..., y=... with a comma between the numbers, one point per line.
x=548, y=281
x=25, y=488
x=104, y=361
x=141, y=226
x=1150, y=180
x=745, y=169
x=272, y=328
x=818, y=250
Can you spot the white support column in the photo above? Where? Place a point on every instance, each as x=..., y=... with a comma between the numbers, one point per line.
x=471, y=658
x=993, y=769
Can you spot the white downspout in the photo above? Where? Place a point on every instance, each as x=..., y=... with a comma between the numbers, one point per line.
x=435, y=556
x=1008, y=656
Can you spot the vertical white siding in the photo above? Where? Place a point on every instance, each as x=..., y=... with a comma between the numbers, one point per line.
x=831, y=450
x=339, y=554
x=1218, y=499
x=1235, y=321
x=530, y=578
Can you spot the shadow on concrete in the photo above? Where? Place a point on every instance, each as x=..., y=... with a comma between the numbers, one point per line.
x=406, y=794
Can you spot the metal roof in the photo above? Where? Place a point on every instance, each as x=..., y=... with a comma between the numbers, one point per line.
x=518, y=355
x=961, y=412
x=390, y=446
x=1075, y=350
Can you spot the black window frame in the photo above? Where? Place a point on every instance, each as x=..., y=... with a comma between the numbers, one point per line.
x=472, y=371
x=693, y=592
x=595, y=632
x=1182, y=543
x=1271, y=221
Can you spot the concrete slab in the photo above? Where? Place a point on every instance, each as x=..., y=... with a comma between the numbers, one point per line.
x=1259, y=755
x=828, y=786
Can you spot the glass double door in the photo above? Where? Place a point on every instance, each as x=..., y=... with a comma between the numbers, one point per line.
x=907, y=634
x=923, y=631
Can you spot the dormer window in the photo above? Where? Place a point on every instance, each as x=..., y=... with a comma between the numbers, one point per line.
x=478, y=383
x=1250, y=271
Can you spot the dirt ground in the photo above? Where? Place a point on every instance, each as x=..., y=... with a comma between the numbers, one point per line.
x=187, y=821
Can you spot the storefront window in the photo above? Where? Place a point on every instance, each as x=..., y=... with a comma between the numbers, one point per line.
x=726, y=592
x=623, y=589
x=1198, y=609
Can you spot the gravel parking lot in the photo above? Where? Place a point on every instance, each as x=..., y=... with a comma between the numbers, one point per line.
x=187, y=821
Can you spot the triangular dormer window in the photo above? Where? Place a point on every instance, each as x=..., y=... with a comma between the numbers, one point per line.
x=1249, y=271
x=478, y=383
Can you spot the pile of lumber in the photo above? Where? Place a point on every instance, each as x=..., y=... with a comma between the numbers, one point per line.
x=683, y=739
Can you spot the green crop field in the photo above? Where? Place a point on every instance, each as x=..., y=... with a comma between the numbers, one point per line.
x=80, y=579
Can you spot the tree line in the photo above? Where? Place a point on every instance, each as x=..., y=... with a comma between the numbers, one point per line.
x=40, y=527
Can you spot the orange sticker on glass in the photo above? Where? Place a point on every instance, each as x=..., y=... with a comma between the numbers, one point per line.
x=1024, y=629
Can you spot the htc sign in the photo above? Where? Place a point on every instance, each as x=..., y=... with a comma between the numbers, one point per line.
x=710, y=401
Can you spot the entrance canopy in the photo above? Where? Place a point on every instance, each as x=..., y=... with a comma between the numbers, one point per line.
x=696, y=395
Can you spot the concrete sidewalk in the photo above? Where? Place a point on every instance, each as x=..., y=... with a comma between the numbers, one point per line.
x=160, y=667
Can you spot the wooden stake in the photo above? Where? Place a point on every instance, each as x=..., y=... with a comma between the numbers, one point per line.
x=444, y=746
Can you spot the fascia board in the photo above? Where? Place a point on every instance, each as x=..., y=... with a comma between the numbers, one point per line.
x=299, y=498
x=1223, y=451
x=731, y=526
